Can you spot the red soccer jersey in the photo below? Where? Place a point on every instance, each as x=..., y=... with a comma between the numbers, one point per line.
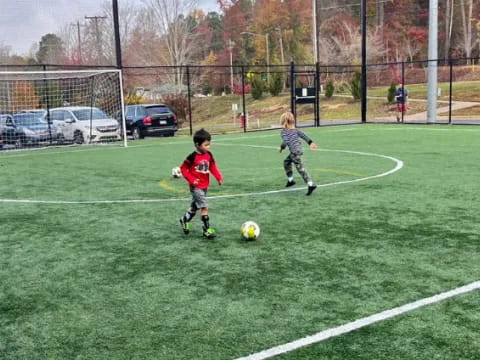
x=199, y=166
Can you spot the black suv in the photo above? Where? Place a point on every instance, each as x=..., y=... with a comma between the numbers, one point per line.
x=150, y=120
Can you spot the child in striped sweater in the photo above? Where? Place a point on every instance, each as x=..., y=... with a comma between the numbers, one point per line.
x=291, y=138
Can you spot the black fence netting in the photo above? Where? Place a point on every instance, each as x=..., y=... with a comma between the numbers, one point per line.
x=457, y=100
x=236, y=98
x=340, y=89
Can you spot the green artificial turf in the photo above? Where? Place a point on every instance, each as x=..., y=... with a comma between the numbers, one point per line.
x=121, y=280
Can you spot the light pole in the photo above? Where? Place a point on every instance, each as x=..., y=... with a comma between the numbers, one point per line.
x=280, y=39
x=266, y=48
x=231, y=44
x=282, y=55
x=315, y=31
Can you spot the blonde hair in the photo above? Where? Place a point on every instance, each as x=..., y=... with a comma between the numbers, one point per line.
x=287, y=120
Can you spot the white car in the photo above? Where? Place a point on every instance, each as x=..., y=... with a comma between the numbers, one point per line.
x=82, y=124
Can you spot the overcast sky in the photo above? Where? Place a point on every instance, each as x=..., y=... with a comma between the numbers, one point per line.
x=24, y=22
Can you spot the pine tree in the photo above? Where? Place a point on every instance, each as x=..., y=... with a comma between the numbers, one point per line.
x=329, y=88
x=391, y=92
x=355, y=84
x=257, y=87
x=276, y=84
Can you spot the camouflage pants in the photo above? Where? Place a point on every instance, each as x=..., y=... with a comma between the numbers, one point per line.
x=296, y=158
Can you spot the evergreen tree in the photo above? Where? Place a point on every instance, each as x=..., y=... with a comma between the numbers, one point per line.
x=276, y=84
x=50, y=50
x=257, y=87
x=329, y=88
x=391, y=92
x=355, y=85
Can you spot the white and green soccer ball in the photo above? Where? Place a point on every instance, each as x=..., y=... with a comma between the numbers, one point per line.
x=250, y=230
x=176, y=172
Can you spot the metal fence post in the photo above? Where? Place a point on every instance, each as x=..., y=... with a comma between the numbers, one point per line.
x=292, y=87
x=363, y=10
x=189, y=100
x=244, y=106
x=450, y=63
x=317, y=94
x=47, y=103
x=403, y=86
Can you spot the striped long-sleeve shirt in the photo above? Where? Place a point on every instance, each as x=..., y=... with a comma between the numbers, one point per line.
x=291, y=138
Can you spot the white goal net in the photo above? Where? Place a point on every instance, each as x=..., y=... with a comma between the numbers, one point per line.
x=45, y=108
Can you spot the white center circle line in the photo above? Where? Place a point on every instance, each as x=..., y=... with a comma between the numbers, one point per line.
x=398, y=166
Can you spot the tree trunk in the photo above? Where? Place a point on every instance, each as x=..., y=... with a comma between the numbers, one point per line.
x=449, y=10
x=467, y=27
x=174, y=30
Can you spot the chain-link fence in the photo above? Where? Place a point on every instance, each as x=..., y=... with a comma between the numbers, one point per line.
x=235, y=98
x=220, y=98
x=458, y=100
x=340, y=94
x=252, y=97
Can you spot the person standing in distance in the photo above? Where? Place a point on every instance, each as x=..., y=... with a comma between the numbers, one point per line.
x=401, y=95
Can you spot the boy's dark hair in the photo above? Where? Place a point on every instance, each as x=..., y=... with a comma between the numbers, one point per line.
x=201, y=136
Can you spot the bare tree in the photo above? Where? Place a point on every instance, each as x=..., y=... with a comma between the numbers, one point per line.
x=467, y=26
x=413, y=47
x=145, y=46
x=346, y=48
x=449, y=10
x=128, y=14
x=173, y=27
x=67, y=34
x=380, y=10
x=4, y=53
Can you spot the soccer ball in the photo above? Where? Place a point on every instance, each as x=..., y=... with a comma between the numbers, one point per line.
x=176, y=173
x=250, y=230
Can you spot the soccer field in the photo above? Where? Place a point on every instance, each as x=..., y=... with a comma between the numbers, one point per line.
x=94, y=265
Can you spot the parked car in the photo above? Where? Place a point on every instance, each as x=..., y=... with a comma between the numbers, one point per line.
x=8, y=131
x=40, y=112
x=85, y=124
x=150, y=120
x=28, y=128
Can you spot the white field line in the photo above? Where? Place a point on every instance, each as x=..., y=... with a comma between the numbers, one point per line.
x=426, y=129
x=398, y=166
x=35, y=152
x=42, y=151
x=357, y=324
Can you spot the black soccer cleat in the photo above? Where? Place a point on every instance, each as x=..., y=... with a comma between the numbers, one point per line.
x=185, y=226
x=311, y=189
x=290, y=183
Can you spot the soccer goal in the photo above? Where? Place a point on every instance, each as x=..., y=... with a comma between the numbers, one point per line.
x=45, y=108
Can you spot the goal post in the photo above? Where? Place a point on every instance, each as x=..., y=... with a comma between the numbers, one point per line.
x=44, y=108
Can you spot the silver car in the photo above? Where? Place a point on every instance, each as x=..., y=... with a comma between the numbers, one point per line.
x=82, y=124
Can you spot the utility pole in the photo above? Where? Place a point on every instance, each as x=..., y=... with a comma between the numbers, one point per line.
x=230, y=45
x=98, y=35
x=268, y=59
x=281, y=45
x=432, y=61
x=315, y=31
x=118, y=46
x=267, y=51
x=282, y=56
x=79, y=40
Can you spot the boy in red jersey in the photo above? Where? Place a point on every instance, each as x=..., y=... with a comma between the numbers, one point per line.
x=196, y=169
